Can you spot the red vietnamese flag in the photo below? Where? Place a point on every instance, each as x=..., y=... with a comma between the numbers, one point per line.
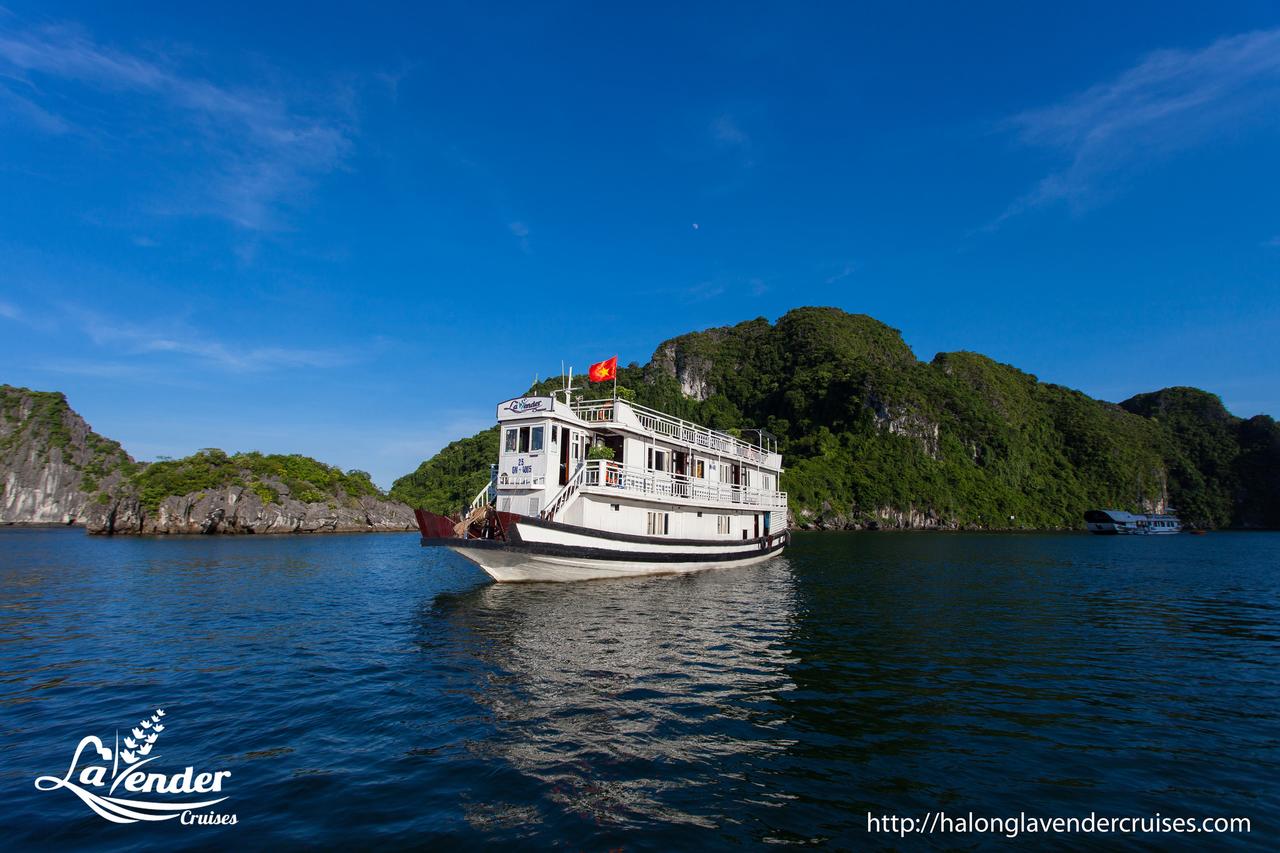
x=603, y=371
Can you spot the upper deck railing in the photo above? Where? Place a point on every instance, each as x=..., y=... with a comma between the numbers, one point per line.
x=653, y=421
x=605, y=475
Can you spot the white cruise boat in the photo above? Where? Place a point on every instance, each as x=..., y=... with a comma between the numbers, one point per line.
x=1114, y=521
x=675, y=497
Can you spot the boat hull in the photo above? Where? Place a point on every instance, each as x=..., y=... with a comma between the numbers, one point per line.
x=508, y=565
x=538, y=550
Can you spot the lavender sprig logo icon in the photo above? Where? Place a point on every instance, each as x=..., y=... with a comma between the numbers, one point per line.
x=141, y=743
x=105, y=769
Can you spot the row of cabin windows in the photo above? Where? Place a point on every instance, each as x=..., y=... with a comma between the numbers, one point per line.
x=659, y=524
x=660, y=460
x=529, y=439
x=523, y=440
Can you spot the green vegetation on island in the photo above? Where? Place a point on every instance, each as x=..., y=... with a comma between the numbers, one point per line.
x=871, y=434
x=1223, y=470
x=449, y=480
x=269, y=476
x=58, y=470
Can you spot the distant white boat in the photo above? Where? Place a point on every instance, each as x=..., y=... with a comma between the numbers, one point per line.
x=675, y=497
x=1114, y=521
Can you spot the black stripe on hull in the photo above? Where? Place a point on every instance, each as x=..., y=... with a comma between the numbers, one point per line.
x=546, y=549
x=632, y=537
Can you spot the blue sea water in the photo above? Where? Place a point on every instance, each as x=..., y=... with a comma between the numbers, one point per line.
x=363, y=691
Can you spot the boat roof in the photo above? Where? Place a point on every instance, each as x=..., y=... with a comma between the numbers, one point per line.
x=617, y=413
x=1121, y=515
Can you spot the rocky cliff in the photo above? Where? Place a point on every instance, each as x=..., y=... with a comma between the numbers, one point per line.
x=238, y=509
x=55, y=469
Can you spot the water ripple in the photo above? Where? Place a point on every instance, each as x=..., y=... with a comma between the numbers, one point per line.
x=364, y=691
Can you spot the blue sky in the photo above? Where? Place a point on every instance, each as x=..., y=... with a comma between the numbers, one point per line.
x=348, y=231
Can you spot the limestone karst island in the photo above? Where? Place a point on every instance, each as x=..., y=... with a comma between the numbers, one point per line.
x=874, y=437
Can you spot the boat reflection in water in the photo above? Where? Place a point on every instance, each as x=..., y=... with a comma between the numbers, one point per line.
x=626, y=703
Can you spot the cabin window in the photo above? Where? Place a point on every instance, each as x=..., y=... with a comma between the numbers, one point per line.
x=555, y=434
x=535, y=439
x=659, y=523
x=524, y=440
x=700, y=470
x=657, y=459
x=510, y=446
x=724, y=524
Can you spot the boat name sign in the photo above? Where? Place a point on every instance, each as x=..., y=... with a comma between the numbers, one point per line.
x=526, y=405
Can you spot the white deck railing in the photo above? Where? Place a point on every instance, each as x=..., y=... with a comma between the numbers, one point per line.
x=605, y=411
x=562, y=497
x=481, y=499
x=600, y=474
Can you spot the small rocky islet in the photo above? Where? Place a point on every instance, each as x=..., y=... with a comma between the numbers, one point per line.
x=57, y=470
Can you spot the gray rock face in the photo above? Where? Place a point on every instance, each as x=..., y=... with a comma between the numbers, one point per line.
x=883, y=518
x=691, y=371
x=239, y=510
x=53, y=467
x=901, y=420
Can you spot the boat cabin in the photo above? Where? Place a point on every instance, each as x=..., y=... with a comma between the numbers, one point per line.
x=666, y=478
x=1118, y=521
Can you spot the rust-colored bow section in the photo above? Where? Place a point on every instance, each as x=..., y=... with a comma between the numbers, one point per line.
x=483, y=522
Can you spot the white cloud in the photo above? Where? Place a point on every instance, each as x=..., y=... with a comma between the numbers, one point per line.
x=726, y=131
x=845, y=271
x=37, y=320
x=23, y=108
x=520, y=231
x=176, y=339
x=100, y=369
x=704, y=291
x=259, y=148
x=1169, y=101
